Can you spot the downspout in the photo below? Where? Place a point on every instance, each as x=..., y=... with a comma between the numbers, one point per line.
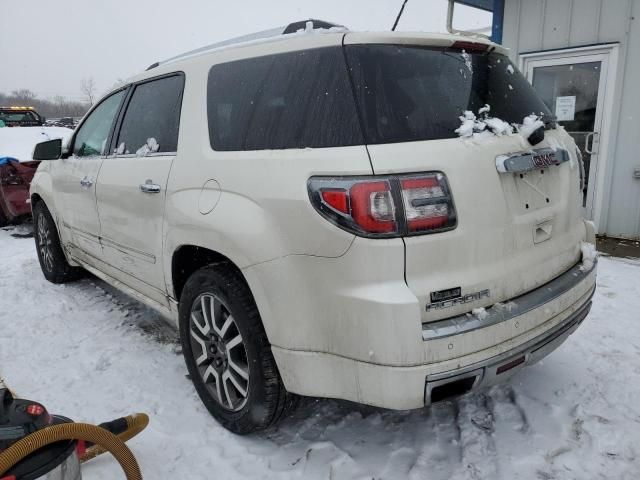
x=498, y=21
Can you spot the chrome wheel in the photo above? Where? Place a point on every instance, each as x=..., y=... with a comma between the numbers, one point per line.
x=219, y=352
x=44, y=243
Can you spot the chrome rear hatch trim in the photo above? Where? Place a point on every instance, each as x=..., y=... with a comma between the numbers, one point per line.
x=531, y=160
x=501, y=312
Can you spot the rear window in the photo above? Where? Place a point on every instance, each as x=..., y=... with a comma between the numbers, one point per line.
x=290, y=100
x=408, y=93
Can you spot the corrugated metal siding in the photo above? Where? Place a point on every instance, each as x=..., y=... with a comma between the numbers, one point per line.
x=535, y=25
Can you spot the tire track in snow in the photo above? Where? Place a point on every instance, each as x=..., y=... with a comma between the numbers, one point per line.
x=440, y=456
x=505, y=408
x=478, y=450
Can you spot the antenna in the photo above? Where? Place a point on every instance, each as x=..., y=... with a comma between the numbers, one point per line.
x=393, y=29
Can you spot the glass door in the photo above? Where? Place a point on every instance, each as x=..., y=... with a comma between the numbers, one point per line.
x=572, y=85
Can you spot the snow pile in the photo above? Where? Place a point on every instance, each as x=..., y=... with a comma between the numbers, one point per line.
x=483, y=125
x=19, y=142
x=480, y=313
x=589, y=255
x=151, y=146
x=467, y=61
x=529, y=125
x=99, y=356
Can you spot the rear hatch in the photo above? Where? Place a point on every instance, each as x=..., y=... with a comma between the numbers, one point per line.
x=515, y=230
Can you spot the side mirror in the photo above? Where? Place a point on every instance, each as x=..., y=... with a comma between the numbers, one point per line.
x=49, y=150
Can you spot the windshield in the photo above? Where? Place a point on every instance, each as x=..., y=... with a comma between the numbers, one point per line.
x=409, y=93
x=17, y=116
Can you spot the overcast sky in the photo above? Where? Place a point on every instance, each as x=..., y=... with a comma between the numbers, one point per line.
x=50, y=46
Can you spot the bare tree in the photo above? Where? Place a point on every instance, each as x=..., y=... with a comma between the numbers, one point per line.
x=24, y=95
x=88, y=87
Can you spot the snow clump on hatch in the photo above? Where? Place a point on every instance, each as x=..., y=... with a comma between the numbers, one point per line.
x=529, y=125
x=589, y=255
x=473, y=126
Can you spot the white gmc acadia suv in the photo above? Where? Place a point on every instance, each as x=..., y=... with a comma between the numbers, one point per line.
x=310, y=212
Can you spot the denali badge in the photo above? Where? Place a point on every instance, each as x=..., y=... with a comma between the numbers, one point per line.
x=447, y=294
x=471, y=297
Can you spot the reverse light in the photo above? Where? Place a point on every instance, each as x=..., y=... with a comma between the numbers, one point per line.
x=385, y=206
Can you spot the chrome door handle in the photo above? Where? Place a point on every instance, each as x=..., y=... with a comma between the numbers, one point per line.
x=86, y=182
x=149, y=187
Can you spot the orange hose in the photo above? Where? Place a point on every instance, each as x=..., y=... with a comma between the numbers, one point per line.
x=71, y=431
x=135, y=424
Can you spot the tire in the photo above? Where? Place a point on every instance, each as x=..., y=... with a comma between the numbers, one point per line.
x=53, y=262
x=4, y=221
x=227, y=352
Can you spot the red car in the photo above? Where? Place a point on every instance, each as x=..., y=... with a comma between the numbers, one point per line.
x=15, y=179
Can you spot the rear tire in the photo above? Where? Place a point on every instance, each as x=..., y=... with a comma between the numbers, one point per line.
x=4, y=221
x=227, y=352
x=53, y=262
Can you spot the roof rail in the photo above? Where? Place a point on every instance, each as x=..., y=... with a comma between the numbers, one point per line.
x=315, y=25
x=310, y=24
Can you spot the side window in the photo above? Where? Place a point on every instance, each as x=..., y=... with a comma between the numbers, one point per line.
x=92, y=136
x=152, y=119
x=289, y=100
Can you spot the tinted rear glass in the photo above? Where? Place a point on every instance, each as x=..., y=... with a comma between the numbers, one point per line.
x=290, y=100
x=408, y=93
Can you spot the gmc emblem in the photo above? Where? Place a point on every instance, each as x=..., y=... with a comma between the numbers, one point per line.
x=545, y=160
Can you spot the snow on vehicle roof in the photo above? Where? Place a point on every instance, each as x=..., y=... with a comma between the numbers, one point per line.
x=19, y=142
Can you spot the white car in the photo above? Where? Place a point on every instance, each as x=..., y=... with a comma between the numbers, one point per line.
x=329, y=213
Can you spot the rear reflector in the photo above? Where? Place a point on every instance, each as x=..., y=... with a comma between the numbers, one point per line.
x=509, y=365
x=385, y=206
x=336, y=199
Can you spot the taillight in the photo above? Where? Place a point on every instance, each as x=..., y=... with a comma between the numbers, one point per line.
x=426, y=202
x=385, y=206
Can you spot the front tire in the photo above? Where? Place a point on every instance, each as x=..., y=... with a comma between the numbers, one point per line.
x=53, y=262
x=227, y=352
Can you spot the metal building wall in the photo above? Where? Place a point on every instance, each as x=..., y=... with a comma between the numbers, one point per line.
x=535, y=25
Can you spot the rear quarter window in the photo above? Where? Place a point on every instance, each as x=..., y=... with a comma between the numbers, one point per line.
x=291, y=100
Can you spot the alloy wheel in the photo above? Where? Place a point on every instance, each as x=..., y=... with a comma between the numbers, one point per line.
x=44, y=243
x=219, y=352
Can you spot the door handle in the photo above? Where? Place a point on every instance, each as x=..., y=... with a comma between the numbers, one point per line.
x=592, y=136
x=86, y=182
x=149, y=187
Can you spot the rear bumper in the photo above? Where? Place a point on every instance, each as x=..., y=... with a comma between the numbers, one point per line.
x=500, y=349
x=499, y=368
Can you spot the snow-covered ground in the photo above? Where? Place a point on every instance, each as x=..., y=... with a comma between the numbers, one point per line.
x=93, y=354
